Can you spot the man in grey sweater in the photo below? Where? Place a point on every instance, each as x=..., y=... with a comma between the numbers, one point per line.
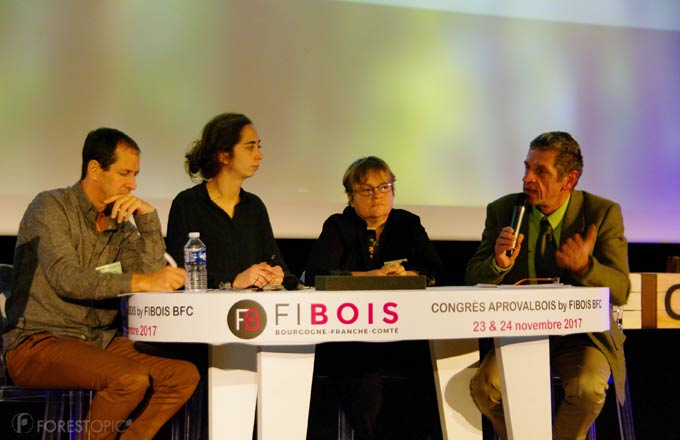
x=76, y=252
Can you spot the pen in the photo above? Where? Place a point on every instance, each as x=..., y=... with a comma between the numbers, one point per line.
x=171, y=261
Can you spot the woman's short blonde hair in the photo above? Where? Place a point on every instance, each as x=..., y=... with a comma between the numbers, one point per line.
x=357, y=171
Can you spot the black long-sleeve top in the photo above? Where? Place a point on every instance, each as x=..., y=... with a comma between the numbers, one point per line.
x=232, y=244
x=343, y=246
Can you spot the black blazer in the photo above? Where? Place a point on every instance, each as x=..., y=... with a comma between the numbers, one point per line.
x=342, y=246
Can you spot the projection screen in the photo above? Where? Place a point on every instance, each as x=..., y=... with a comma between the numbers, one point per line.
x=449, y=93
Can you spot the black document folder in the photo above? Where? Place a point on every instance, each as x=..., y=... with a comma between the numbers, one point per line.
x=349, y=282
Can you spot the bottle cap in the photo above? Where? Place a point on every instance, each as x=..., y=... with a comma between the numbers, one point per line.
x=194, y=234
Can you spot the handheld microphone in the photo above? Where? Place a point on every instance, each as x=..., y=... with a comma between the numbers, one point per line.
x=518, y=211
x=290, y=282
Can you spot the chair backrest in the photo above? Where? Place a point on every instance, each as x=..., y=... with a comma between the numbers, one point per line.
x=5, y=284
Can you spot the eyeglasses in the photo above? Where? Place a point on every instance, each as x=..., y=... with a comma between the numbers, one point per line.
x=383, y=188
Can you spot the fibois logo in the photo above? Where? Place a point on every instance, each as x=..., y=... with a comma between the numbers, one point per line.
x=247, y=319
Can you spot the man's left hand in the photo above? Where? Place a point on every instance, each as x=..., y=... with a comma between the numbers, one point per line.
x=574, y=254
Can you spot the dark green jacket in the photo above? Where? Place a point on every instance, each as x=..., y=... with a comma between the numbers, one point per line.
x=609, y=262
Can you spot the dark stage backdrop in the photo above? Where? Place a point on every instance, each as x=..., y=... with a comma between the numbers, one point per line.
x=652, y=375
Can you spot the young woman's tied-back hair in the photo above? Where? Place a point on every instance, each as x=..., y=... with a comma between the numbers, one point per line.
x=220, y=135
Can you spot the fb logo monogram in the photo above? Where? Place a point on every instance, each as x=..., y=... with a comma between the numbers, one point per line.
x=250, y=319
x=246, y=319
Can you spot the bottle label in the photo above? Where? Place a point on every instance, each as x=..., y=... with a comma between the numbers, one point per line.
x=195, y=257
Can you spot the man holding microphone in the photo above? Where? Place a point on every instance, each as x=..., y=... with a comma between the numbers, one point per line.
x=573, y=235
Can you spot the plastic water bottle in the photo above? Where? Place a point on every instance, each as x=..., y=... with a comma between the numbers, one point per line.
x=195, y=264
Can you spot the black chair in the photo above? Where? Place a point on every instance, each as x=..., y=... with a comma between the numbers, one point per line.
x=64, y=410
x=626, y=430
x=624, y=410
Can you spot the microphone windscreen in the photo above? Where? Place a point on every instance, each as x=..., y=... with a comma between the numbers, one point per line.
x=290, y=282
x=521, y=199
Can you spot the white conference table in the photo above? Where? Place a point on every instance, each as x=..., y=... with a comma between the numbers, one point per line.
x=262, y=346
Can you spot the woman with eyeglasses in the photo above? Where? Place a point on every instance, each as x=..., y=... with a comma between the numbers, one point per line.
x=370, y=237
